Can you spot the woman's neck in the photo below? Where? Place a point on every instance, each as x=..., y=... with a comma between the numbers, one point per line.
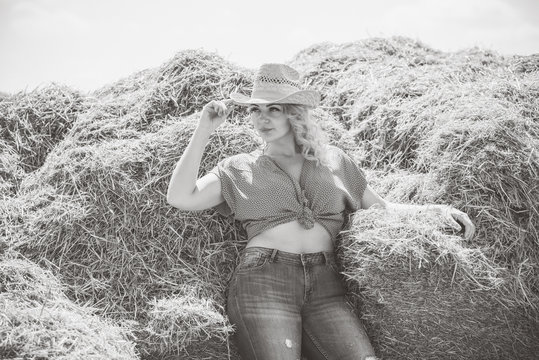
x=284, y=147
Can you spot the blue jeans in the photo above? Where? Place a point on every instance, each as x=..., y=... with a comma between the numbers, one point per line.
x=285, y=306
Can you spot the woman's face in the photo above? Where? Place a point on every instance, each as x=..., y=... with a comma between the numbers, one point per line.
x=270, y=121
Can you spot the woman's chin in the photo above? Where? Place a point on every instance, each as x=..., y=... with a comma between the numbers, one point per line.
x=265, y=136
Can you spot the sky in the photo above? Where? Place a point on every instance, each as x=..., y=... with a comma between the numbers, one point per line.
x=89, y=43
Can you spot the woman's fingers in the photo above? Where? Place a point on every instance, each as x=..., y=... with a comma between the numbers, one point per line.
x=221, y=108
x=217, y=106
x=453, y=223
x=469, y=227
x=225, y=107
x=210, y=107
x=461, y=221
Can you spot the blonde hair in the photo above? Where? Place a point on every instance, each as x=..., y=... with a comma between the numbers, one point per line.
x=308, y=135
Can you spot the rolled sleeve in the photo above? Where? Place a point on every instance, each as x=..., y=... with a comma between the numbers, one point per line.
x=226, y=207
x=355, y=181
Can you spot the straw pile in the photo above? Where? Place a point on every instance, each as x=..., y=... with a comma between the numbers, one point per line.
x=459, y=128
x=178, y=324
x=96, y=208
x=425, y=293
x=31, y=124
x=39, y=322
x=464, y=118
x=11, y=171
x=456, y=128
x=99, y=213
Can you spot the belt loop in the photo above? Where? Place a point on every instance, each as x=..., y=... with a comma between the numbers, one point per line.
x=273, y=254
x=326, y=257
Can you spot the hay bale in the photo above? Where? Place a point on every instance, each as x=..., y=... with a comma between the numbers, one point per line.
x=39, y=321
x=521, y=96
x=525, y=64
x=424, y=293
x=190, y=80
x=405, y=186
x=462, y=118
x=380, y=81
x=123, y=90
x=371, y=50
x=92, y=208
x=98, y=213
x=33, y=123
x=393, y=116
x=96, y=209
x=150, y=100
x=182, y=320
x=490, y=168
x=11, y=171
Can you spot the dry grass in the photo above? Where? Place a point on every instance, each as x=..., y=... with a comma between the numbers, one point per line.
x=31, y=125
x=425, y=293
x=11, y=170
x=466, y=120
x=181, y=320
x=89, y=203
x=96, y=209
x=39, y=322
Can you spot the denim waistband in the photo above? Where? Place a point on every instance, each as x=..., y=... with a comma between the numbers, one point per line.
x=280, y=256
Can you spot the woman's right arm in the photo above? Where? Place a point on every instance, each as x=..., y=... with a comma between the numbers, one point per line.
x=185, y=192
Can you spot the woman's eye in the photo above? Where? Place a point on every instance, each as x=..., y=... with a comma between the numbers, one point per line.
x=275, y=109
x=252, y=110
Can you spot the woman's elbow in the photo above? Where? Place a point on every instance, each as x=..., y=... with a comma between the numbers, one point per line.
x=370, y=198
x=179, y=200
x=174, y=204
x=186, y=203
x=379, y=204
x=178, y=203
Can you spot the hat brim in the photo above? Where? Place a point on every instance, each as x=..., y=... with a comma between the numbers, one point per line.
x=303, y=97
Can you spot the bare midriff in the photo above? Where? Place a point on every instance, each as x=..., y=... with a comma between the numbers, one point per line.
x=294, y=238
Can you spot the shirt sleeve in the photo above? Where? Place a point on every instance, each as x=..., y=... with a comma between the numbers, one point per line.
x=354, y=180
x=226, y=207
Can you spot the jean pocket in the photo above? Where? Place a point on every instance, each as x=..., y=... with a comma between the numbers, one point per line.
x=251, y=262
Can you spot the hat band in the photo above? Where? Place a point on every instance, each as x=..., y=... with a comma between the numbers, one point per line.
x=269, y=94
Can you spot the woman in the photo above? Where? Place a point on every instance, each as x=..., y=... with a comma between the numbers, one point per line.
x=286, y=297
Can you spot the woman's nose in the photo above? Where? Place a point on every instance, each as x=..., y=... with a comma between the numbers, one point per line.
x=263, y=117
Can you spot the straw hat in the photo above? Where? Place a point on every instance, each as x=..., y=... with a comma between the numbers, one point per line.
x=277, y=84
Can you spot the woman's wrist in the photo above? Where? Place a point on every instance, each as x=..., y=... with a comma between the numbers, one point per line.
x=437, y=208
x=203, y=131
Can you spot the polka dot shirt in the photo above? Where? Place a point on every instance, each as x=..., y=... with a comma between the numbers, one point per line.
x=261, y=195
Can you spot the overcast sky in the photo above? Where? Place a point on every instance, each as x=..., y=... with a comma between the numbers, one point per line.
x=89, y=43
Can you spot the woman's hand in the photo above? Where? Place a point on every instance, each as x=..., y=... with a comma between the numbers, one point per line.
x=458, y=220
x=214, y=114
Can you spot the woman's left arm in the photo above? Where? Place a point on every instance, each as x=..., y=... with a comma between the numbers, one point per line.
x=453, y=216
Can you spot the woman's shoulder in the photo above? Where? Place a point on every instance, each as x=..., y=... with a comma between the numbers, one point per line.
x=240, y=161
x=335, y=154
x=244, y=157
x=334, y=149
x=339, y=160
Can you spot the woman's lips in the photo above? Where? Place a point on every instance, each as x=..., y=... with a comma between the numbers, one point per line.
x=265, y=131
